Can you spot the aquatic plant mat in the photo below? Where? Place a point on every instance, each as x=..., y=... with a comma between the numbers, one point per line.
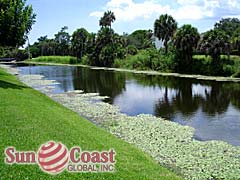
x=29, y=118
x=171, y=144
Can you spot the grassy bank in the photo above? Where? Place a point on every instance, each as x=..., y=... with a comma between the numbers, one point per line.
x=56, y=59
x=201, y=64
x=230, y=65
x=29, y=118
x=157, y=61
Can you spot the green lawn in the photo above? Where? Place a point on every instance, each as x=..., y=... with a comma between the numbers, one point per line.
x=29, y=118
x=56, y=59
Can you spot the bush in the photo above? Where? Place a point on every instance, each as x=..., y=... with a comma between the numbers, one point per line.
x=85, y=60
x=236, y=75
x=228, y=70
x=72, y=60
x=132, y=50
x=201, y=65
x=11, y=52
x=150, y=59
x=21, y=55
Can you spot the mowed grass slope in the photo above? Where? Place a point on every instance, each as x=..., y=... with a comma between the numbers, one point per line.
x=29, y=118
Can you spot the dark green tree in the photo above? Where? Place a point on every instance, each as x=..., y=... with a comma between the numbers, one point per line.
x=44, y=47
x=236, y=41
x=215, y=43
x=62, y=39
x=79, y=42
x=16, y=20
x=185, y=41
x=106, y=47
x=141, y=39
x=132, y=50
x=107, y=19
x=228, y=25
x=164, y=29
x=104, y=39
x=91, y=43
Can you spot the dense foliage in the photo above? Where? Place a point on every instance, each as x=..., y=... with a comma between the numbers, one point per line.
x=228, y=25
x=79, y=42
x=186, y=41
x=136, y=50
x=141, y=39
x=215, y=43
x=16, y=20
x=164, y=29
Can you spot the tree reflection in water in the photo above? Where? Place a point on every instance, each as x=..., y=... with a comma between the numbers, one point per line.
x=212, y=108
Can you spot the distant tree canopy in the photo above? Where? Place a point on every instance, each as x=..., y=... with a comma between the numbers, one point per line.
x=62, y=38
x=79, y=42
x=228, y=25
x=214, y=43
x=107, y=45
x=107, y=19
x=164, y=29
x=107, y=48
x=186, y=41
x=16, y=20
x=141, y=39
x=235, y=40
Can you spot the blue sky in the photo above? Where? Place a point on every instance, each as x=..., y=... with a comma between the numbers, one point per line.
x=130, y=14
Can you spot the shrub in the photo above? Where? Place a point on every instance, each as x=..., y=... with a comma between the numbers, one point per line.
x=132, y=50
x=73, y=60
x=21, y=55
x=228, y=70
x=85, y=60
x=236, y=75
x=150, y=59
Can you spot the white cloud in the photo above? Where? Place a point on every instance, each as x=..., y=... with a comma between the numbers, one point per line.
x=233, y=3
x=191, y=12
x=119, y=3
x=128, y=10
x=187, y=2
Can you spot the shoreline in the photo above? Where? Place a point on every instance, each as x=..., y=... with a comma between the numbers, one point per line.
x=30, y=117
x=198, y=77
x=171, y=144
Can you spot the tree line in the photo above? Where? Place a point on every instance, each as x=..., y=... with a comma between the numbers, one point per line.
x=101, y=48
x=105, y=46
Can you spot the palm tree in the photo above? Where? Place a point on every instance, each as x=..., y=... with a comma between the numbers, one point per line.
x=186, y=41
x=164, y=28
x=214, y=43
x=107, y=19
x=79, y=40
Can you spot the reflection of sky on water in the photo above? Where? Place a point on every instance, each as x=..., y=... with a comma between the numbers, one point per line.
x=200, y=90
x=224, y=126
x=137, y=99
x=212, y=108
x=61, y=74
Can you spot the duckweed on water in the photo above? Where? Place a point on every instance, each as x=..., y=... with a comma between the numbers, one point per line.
x=171, y=144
